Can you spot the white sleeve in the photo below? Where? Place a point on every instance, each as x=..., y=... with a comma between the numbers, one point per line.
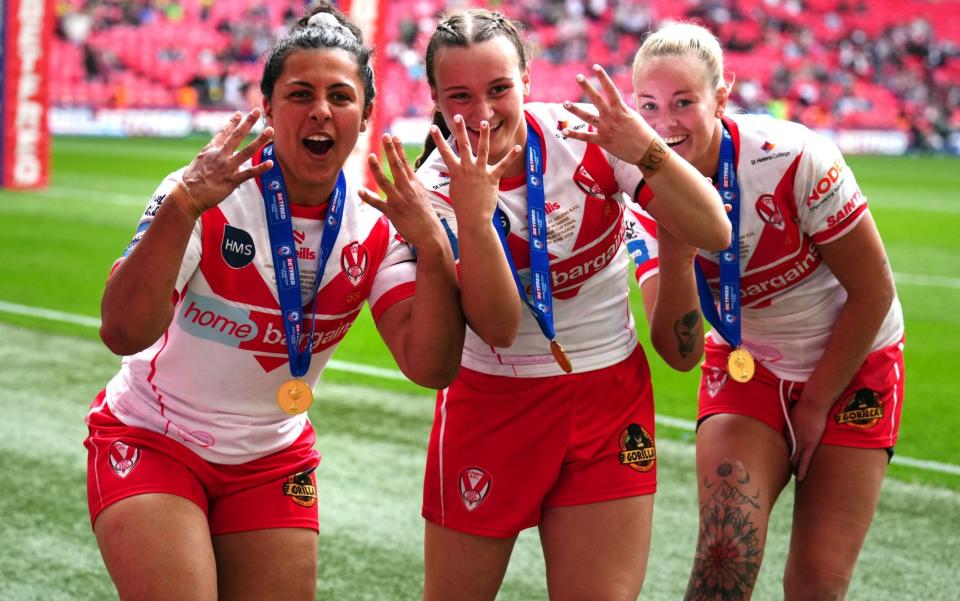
x=829, y=200
x=640, y=236
x=191, y=257
x=628, y=176
x=396, y=277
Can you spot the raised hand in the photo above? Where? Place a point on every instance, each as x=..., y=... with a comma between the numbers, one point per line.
x=215, y=172
x=407, y=205
x=616, y=127
x=474, y=183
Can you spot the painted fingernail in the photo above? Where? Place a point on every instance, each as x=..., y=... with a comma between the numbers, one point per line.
x=581, y=78
x=566, y=104
x=484, y=125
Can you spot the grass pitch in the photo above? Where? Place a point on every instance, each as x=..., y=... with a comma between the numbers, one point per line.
x=56, y=248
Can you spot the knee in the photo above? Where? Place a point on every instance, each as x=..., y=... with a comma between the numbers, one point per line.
x=727, y=562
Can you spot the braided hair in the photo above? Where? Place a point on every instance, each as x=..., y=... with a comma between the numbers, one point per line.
x=461, y=29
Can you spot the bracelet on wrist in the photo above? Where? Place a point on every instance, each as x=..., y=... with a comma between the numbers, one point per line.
x=185, y=201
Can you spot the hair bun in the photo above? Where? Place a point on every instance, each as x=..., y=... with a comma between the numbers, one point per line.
x=323, y=19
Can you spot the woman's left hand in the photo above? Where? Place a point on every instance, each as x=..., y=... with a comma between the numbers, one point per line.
x=407, y=205
x=620, y=130
x=809, y=421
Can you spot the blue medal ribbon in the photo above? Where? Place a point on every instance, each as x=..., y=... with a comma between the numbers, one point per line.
x=285, y=263
x=541, y=305
x=727, y=321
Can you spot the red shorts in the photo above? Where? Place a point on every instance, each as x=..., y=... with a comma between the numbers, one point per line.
x=276, y=491
x=503, y=448
x=866, y=415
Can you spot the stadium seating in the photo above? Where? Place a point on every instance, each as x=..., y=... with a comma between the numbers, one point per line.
x=843, y=63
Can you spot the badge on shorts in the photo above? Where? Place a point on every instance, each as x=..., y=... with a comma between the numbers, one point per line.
x=301, y=488
x=637, y=449
x=474, y=486
x=862, y=410
x=123, y=458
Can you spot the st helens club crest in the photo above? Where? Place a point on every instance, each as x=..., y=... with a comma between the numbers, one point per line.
x=353, y=261
x=715, y=379
x=123, y=458
x=586, y=183
x=474, y=486
x=769, y=211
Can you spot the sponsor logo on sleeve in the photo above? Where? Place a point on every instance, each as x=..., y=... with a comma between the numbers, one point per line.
x=474, y=485
x=638, y=251
x=637, y=449
x=845, y=211
x=238, y=249
x=827, y=185
x=141, y=230
x=154, y=205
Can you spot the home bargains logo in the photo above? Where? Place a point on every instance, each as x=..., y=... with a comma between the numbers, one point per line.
x=259, y=332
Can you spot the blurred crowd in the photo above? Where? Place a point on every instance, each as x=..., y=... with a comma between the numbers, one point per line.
x=830, y=64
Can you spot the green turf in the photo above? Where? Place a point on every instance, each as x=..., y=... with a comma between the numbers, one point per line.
x=373, y=442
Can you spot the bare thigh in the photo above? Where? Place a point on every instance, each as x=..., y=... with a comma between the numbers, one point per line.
x=277, y=563
x=597, y=551
x=157, y=547
x=742, y=466
x=834, y=506
x=461, y=566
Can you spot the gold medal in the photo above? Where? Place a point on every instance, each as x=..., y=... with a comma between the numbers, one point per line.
x=294, y=396
x=560, y=356
x=740, y=365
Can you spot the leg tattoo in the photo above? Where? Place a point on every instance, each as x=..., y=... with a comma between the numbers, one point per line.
x=728, y=551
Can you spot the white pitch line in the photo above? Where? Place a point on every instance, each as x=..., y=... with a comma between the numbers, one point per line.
x=394, y=374
x=934, y=281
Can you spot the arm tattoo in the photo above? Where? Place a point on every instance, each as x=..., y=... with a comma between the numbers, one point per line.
x=686, y=329
x=654, y=158
x=729, y=549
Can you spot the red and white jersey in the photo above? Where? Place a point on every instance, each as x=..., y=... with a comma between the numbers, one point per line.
x=584, y=212
x=796, y=192
x=211, y=380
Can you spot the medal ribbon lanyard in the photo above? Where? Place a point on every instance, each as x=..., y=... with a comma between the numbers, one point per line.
x=285, y=263
x=727, y=321
x=542, y=304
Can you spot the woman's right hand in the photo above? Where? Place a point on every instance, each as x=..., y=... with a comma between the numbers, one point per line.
x=215, y=172
x=474, y=184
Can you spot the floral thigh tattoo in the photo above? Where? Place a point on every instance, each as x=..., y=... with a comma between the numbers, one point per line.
x=729, y=550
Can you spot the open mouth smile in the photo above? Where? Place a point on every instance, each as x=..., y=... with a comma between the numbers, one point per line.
x=318, y=145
